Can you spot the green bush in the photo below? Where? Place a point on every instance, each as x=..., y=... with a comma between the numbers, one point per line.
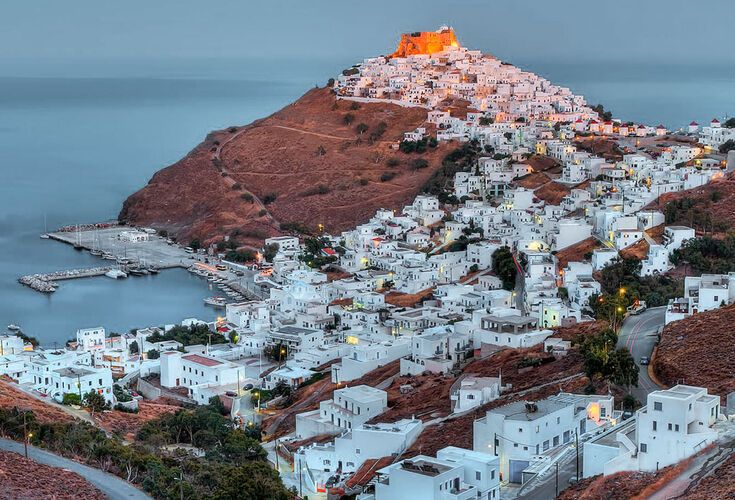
x=71, y=398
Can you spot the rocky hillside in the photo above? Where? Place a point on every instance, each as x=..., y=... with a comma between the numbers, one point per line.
x=699, y=350
x=317, y=161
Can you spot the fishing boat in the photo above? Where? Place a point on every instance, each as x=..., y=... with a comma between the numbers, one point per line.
x=137, y=271
x=216, y=301
x=13, y=328
x=153, y=270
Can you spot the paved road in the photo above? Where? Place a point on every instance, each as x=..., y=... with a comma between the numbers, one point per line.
x=639, y=334
x=547, y=489
x=112, y=486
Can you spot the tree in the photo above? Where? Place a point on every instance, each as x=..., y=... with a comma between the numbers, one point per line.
x=361, y=128
x=95, y=402
x=238, y=447
x=727, y=146
x=153, y=354
x=134, y=349
x=195, y=244
x=217, y=405
x=504, y=267
x=348, y=119
x=729, y=123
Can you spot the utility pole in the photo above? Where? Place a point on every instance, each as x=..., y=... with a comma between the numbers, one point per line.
x=25, y=434
x=557, y=478
x=576, y=446
x=181, y=484
x=276, y=451
x=301, y=492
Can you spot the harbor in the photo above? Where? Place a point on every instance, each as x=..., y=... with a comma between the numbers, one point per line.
x=131, y=252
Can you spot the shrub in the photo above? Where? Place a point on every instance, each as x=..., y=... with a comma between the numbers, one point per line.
x=348, y=119
x=269, y=198
x=362, y=181
x=393, y=162
x=237, y=186
x=315, y=190
x=361, y=128
x=153, y=354
x=247, y=197
x=387, y=176
x=262, y=212
x=71, y=398
x=354, y=106
x=419, y=163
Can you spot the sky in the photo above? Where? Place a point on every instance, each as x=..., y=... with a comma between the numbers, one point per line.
x=42, y=33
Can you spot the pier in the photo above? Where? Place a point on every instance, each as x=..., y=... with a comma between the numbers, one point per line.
x=46, y=283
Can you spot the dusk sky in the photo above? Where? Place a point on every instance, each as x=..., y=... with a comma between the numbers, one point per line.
x=664, y=31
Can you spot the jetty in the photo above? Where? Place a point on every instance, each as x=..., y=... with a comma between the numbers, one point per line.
x=47, y=282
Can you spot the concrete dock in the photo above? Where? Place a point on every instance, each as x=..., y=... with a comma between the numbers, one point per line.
x=154, y=252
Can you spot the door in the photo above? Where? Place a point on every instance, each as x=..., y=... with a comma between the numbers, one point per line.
x=516, y=468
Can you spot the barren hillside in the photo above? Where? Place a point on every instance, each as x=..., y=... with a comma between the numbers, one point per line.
x=317, y=161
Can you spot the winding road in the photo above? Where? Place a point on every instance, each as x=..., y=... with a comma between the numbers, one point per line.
x=112, y=486
x=639, y=335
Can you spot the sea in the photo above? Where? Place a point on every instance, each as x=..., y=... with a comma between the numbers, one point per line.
x=76, y=138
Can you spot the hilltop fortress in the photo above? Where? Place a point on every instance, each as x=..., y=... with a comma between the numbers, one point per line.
x=426, y=42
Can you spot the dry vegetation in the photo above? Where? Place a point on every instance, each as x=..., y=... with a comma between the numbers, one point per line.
x=686, y=351
x=23, y=479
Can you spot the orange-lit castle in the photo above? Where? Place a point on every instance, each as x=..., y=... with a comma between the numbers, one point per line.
x=426, y=42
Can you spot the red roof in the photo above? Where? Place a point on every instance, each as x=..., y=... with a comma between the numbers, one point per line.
x=715, y=120
x=329, y=251
x=661, y=126
x=694, y=123
x=201, y=360
x=593, y=122
x=367, y=471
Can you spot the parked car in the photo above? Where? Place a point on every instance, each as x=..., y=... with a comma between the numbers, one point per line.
x=645, y=360
x=638, y=307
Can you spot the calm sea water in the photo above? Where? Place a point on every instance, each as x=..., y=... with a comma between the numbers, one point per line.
x=73, y=148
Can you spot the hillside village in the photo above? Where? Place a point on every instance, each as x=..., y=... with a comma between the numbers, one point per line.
x=443, y=347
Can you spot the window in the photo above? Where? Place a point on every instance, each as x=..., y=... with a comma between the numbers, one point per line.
x=357, y=451
x=556, y=440
x=537, y=429
x=655, y=425
x=644, y=447
x=546, y=445
x=670, y=426
x=492, y=473
x=676, y=427
x=520, y=429
x=558, y=420
x=478, y=475
x=658, y=406
x=603, y=412
x=515, y=445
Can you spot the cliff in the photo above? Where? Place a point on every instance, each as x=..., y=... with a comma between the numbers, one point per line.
x=317, y=161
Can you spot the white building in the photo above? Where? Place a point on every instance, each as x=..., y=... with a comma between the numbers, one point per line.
x=455, y=473
x=702, y=293
x=349, y=408
x=351, y=449
x=475, y=391
x=80, y=380
x=521, y=433
x=90, y=339
x=675, y=424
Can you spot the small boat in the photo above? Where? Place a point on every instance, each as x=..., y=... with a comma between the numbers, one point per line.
x=153, y=270
x=216, y=301
x=45, y=236
x=13, y=328
x=116, y=274
x=136, y=271
x=95, y=252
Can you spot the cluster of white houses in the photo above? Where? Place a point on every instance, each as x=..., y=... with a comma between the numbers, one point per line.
x=313, y=324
